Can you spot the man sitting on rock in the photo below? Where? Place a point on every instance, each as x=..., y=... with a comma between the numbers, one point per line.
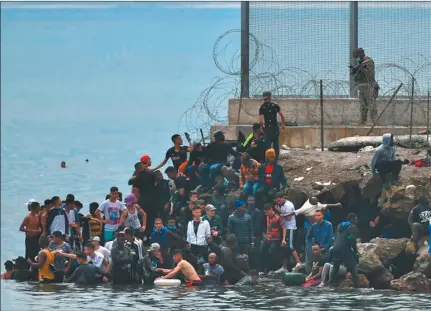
x=418, y=219
x=384, y=162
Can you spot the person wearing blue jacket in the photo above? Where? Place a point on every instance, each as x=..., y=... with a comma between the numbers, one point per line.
x=322, y=232
x=345, y=250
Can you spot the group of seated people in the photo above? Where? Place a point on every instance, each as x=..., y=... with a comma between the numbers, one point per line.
x=216, y=220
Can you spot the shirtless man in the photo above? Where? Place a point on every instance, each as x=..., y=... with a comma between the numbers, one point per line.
x=31, y=226
x=184, y=267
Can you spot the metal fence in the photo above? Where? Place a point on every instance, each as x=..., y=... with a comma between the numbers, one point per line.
x=292, y=45
x=288, y=47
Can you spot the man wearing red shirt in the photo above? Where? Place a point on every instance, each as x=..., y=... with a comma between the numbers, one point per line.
x=275, y=237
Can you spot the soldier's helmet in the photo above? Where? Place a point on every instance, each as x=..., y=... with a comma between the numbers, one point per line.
x=359, y=53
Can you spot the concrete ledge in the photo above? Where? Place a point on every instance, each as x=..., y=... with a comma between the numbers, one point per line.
x=301, y=136
x=337, y=111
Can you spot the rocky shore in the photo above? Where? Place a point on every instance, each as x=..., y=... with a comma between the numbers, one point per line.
x=345, y=177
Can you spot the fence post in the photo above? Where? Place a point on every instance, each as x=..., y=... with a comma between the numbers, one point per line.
x=411, y=108
x=353, y=38
x=384, y=109
x=245, y=49
x=321, y=116
x=428, y=117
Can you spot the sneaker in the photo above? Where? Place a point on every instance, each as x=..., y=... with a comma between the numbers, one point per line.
x=281, y=270
x=321, y=285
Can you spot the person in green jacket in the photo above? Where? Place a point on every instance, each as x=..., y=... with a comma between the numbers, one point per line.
x=215, y=223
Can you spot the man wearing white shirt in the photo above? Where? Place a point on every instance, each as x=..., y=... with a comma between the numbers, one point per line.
x=197, y=231
x=287, y=207
x=98, y=248
x=113, y=210
x=95, y=258
x=310, y=207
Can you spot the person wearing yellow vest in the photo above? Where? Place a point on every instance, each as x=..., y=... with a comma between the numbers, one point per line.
x=45, y=262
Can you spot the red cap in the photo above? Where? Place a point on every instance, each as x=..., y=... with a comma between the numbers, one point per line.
x=145, y=158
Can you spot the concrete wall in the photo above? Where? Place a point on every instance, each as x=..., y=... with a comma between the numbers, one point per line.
x=301, y=136
x=336, y=111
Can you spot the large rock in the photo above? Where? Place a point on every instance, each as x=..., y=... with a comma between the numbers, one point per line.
x=388, y=249
x=298, y=196
x=369, y=261
x=423, y=264
x=396, y=203
x=348, y=283
x=371, y=186
x=412, y=281
x=381, y=279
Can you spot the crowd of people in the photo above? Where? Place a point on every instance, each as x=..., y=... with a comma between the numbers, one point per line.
x=221, y=216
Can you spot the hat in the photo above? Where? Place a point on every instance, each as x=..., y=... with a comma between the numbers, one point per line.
x=266, y=94
x=170, y=169
x=218, y=133
x=145, y=158
x=58, y=234
x=270, y=153
x=30, y=201
x=154, y=247
x=95, y=238
x=210, y=207
x=239, y=203
x=130, y=199
x=19, y=259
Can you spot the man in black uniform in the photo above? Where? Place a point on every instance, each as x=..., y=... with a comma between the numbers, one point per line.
x=268, y=120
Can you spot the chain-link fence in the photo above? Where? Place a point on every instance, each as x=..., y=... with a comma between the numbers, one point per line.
x=294, y=45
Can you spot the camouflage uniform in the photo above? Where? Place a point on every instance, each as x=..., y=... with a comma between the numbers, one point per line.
x=368, y=88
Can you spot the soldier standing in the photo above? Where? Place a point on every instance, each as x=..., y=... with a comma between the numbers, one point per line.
x=364, y=75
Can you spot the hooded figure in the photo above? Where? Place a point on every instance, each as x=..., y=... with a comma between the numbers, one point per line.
x=385, y=152
x=345, y=250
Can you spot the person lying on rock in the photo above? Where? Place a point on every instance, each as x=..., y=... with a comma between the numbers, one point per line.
x=418, y=219
x=310, y=207
x=384, y=162
x=345, y=250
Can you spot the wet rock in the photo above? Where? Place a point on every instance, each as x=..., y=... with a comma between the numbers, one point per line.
x=371, y=186
x=412, y=281
x=388, y=249
x=298, y=196
x=423, y=264
x=348, y=283
x=369, y=261
x=396, y=203
x=381, y=279
x=317, y=186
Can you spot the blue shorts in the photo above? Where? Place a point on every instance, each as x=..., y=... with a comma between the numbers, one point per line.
x=108, y=236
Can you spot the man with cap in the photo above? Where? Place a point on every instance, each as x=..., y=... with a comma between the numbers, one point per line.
x=151, y=263
x=122, y=259
x=177, y=153
x=239, y=223
x=86, y=273
x=271, y=177
x=268, y=120
x=131, y=216
x=214, y=221
x=364, y=76
x=145, y=181
x=216, y=155
x=99, y=248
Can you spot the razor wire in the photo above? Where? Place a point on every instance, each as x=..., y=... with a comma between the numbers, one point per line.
x=211, y=107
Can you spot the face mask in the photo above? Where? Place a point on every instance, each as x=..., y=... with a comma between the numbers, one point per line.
x=172, y=228
x=358, y=60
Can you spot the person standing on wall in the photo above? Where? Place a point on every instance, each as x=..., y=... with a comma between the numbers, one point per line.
x=268, y=120
x=364, y=76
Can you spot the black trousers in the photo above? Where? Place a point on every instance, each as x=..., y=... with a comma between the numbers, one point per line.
x=32, y=247
x=387, y=168
x=349, y=262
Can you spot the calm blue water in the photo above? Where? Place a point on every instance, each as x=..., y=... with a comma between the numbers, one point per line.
x=106, y=88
